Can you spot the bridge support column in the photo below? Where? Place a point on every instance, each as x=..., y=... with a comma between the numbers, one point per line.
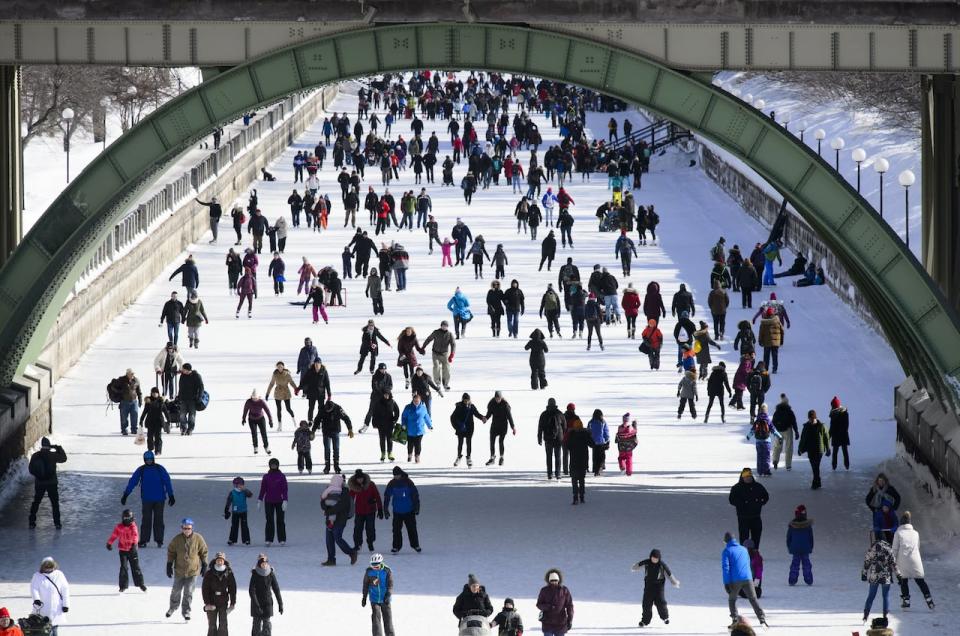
x=941, y=182
x=11, y=162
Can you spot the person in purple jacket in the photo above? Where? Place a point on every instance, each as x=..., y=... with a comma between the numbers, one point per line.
x=273, y=493
x=255, y=408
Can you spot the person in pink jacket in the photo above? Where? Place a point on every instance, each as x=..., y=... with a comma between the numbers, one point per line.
x=127, y=536
x=445, y=250
x=626, y=441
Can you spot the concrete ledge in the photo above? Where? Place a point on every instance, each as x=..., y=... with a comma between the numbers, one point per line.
x=25, y=414
x=928, y=433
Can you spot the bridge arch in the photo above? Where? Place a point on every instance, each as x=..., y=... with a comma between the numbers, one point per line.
x=923, y=330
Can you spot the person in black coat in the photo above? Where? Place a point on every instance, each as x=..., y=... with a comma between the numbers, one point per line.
x=682, y=302
x=495, y=307
x=473, y=600
x=785, y=421
x=498, y=409
x=384, y=414
x=749, y=497
x=548, y=250
x=578, y=441
x=155, y=418
x=368, y=346
x=716, y=384
x=43, y=467
x=747, y=277
x=462, y=422
x=537, y=347
x=315, y=384
x=263, y=587
x=189, y=275
x=839, y=432
x=655, y=575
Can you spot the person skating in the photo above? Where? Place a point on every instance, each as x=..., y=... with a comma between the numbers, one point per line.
x=335, y=502
x=281, y=383
x=737, y=576
x=749, y=497
x=800, y=546
x=273, y=496
x=555, y=604
x=368, y=507
x=263, y=588
x=368, y=345
x=770, y=337
x=246, y=290
x=600, y=433
x=548, y=249
x=189, y=274
x=815, y=442
x=127, y=537
x=459, y=306
x=374, y=290
x=593, y=314
x=43, y=469
x=328, y=421
x=577, y=440
x=498, y=409
x=550, y=303
x=50, y=591
x=155, y=489
x=378, y=589
x=315, y=385
x=550, y=430
x=442, y=352
x=171, y=315
x=406, y=506
x=255, y=408
x=625, y=250
x=718, y=301
x=415, y=419
x=235, y=509
x=508, y=621
x=478, y=252
x=655, y=575
x=688, y=394
x=472, y=606
x=186, y=559
x=879, y=568
x=631, y=309
x=762, y=430
x=308, y=353
x=219, y=592
x=756, y=568
x=315, y=298
x=716, y=384
x=513, y=301
x=407, y=348
x=191, y=392
x=495, y=307
x=906, y=552
x=384, y=415
x=537, y=347
x=652, y=342
x=626, y=439
x=421, y=384
x=302, y=438
x=701, y=346
x=839, y=432
x=785, y=421
x=758, y=383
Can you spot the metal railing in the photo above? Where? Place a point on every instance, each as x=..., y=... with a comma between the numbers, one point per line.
x=657, y=135
x=134, y=225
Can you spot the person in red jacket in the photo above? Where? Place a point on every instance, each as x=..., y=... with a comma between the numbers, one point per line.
x=652, y=341
x=367, y=505
x=631, y=309
x=127, y=536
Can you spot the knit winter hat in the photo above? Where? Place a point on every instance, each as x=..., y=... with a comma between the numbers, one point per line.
x=654, y=553
x=626, y=417
x=397, y=471
x=835, y=402
x=45, y=442
x=571, y=406
x=508, y=602
x=220, y=555
x=5, y=613
x=800, y=512
x=472, y=579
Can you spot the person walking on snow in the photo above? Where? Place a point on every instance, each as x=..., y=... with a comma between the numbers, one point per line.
x=749, y=497
x=378, y=589
x=406, y=506
x=172, y=315
x=368, y=507
x=577, y=441
x=281, y=383
x=219, y=591
x=626, y=439
x=687, y=392
x=472, y=605
x=155, y=489
x=415, y=420
x=43, y=468
x=815, y=443
x=235, y=509
x=839, y=432
x=499, y=410
x=186, y=559
x=761, y=430
x=444, y=347
x=737, y=576
x=555, y=604
x=127, y=537
x=906, y=552
x=800, y=546
x=263, y=587
x=655, y=575
x=459, y=306
x=50, y=591
x=785, y=422
x=273, y=495
x=336, y=505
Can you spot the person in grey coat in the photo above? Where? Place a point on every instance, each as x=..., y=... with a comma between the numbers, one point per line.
x=687, y=392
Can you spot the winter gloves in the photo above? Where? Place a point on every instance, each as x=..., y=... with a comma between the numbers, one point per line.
x=109, y=546
x=350, y=434
x=386, y=514
x=674, y=581
x=170, y=569
x=283, y=506
x=171, y=501
x=450, y=358
x=363, y=602
x=380, y=514
x=226, y=514
x=123, y=500
x=203, y=568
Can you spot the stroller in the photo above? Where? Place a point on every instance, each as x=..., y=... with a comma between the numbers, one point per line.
x=35, y=625
x=173, y=409
x=474, y=625
x=448, y=177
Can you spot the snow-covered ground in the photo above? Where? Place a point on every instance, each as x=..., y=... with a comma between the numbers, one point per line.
x=505, y=524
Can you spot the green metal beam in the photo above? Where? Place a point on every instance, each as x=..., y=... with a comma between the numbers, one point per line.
x=923, y=330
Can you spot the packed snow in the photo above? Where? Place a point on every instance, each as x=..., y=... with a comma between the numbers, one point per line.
x=506, y=524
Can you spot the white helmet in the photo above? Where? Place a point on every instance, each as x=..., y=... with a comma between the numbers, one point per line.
x=376, y=559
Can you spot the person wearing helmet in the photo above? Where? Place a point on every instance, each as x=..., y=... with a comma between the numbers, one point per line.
x=186, y=559
x=126, y=535
x=236, y=507
x=155, y=488
x=378, y=588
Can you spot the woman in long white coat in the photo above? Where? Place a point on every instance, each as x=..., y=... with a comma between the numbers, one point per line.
x=51, y=593
x=906, y=551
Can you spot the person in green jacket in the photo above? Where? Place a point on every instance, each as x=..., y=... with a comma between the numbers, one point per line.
x=815, y=442
x=194, y=315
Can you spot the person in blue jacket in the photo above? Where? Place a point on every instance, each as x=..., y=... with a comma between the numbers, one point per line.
x=800, y=545
x=155, y=489
x=406, y=506
x=189, y=275
x=415, y=419
x=737, y=576
x=459, y=306
x=378, y=586
x=601, y=440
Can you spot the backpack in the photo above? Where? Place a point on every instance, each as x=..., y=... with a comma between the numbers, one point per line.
x=761, y=428
x=115, y=389
x=756, y=383
x=555, y=433
x=203, y=401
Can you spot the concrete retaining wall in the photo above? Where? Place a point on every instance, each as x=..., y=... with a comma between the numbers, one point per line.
x=929, y=434
x=25, y=406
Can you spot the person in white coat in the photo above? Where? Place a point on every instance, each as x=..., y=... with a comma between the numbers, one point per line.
x=906, y=551
x=51, y=593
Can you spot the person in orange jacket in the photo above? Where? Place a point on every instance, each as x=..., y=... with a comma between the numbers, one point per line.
x=7, y=626
x=126, y=535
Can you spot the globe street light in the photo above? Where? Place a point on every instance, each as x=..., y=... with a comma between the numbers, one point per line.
x=759, y=104
x=819, y=134
x=859, y=155
x=837, y=144
x=907, y=179
x=802, y=127
x=67, y=116
x=881, y=165
x=785, y=120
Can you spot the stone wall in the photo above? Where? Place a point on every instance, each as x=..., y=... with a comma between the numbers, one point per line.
x=929, y=434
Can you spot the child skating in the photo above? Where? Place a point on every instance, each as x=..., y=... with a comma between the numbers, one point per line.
x=127, y=536
x=655, y=576
x=301, y=441
x=800, y=546
x=236, y=511
x=626, y=441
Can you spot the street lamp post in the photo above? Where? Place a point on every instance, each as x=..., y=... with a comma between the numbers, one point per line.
x=881, y=165
x=104, y=102
x=819, y=134
x=859, y=155
x=785, y=120
x=802, y=127
x=67, y=116
x=907, y=179
x=837, y=144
